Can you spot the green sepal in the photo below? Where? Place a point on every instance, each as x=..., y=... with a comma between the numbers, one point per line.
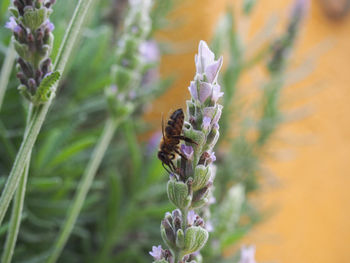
x=198, y=137
x=43, y=92
x=201, y=177
x=14, y=11
x=21, y=49
x=34, y=18
x=178, y=194
x=165, y=238
x=24, y=92
x=195, y=239
x=180, y=238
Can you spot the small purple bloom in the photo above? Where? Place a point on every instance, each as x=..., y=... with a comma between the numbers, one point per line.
x=247, y=254
x=12, y=25
x=212, y=157
x=204, y=58
x=157, y=252
x=204, y=91
x=191, y=217
x=193, y=90
x=209, y=226
x=206, y=123
x=149, y=51
x=187, y=151
x=216, y=93
x=50, y=26
x=212, y=70
x=217, y=115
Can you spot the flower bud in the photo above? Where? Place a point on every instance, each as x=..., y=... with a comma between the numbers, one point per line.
x=178, y=193
x=195, y=239
x=180, y=238
x=201, y=177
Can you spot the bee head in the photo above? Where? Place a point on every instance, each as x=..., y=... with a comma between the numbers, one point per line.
x=162, y=156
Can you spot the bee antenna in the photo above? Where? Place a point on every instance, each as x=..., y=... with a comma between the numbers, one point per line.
x=163, y=126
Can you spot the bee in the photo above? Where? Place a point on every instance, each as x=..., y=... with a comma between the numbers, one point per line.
x=169, y=145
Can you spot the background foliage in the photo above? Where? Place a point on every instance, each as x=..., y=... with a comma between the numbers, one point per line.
x=122, y=212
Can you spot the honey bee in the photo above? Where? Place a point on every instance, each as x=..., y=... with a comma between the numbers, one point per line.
x=169, y=145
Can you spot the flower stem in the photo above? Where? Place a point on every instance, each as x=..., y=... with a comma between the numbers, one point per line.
x=83, y=188
x=6, y=71
x=16, y=217
x=39, y=116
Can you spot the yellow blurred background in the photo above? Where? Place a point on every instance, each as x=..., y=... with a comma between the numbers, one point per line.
x=311, y=222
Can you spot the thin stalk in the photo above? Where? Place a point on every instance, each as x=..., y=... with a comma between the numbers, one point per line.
x=83, y=188
x=16, y=216
x=6, y=71
x=39, y=116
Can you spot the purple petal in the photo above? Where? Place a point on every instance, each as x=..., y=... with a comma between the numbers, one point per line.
x=247, y=254
x=193, y=90
x=216, y=93
x=209, y=112
x=212, y=70
x=205, y=57
x=191, y=217
x=50, y=26
x=187, y=151
x=206, y=123
x=157, y=252
x=209, y=226
x=212, y=200
x=212, y=157
x=149, y=51
x=205, y=90
x=217, y=114
x=12, y=25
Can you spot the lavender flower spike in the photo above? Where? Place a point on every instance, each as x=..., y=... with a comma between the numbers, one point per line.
x=189, y=187
x=33, y=42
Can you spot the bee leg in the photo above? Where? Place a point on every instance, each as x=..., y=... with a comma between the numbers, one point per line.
x=166, y=169
x=186, y=139
x=173, y=168
x=181, y=154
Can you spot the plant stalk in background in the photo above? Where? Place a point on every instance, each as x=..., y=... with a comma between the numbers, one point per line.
x=127, y=75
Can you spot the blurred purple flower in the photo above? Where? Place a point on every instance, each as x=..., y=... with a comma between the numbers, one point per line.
x=209, y=226
x=191, y=217
x=50, y=26
x=187, y=151
x=149, y=51
x=206, y=123
x=12, y=25
x=300, y=8
x=153, y=143
x=157, y=252
x=247, y=254
x=212, y=157
x=217, y=93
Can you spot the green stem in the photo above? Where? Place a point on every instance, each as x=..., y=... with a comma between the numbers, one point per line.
x=6, y=71
x=83, y=188
x=16, y=216
x=37, y=121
